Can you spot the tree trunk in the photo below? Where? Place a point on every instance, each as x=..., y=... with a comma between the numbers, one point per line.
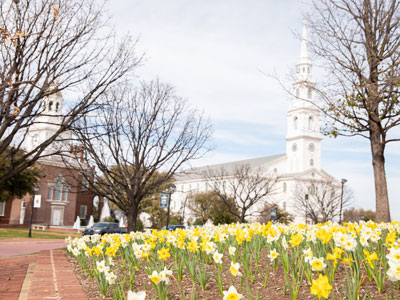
x=378, y=163
x=132, y=215
x=242, y=216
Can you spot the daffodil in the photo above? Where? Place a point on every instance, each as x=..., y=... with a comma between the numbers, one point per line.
x=317, y=264
x=232, y=294
x=217, y=257
x=163, y=253
x=234, y=269
x=273, y=254
x=370, y=257
x=155, y=277
x=136, y=296
x=321, y=287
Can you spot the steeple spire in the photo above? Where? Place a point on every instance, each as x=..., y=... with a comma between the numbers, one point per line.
x=303, y=66
x=304, y=57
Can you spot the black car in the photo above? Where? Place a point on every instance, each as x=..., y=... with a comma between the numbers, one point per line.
x=173, y=227
x=103, y=228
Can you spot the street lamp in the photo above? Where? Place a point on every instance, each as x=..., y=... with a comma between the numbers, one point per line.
x=170, y=191
x=36, y=190
x=341, y=201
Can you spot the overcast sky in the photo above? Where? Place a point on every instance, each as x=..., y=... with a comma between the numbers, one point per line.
x=217, y=54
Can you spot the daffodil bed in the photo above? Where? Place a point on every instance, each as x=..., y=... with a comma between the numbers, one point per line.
x=249, y=261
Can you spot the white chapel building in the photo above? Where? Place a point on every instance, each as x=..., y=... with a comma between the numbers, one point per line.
x=300, y=163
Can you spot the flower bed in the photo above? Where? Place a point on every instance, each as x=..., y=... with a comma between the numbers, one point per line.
x=249, y=261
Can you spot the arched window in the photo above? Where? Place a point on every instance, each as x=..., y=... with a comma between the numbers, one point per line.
x=310, y=123
x=284, y=187
x=58, y=190
x=295, y=123
x=50, y=105
x=309, y=93
x=311, y=162
x=312, y=189
x=57, y=106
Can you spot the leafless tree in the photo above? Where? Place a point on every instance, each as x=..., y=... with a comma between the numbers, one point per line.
x=358, y=43
x=247, y=186
x=319, y=201
x=49, y=46
x=139, y=133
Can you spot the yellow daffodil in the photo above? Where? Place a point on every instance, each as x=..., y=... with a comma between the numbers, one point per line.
x=321, y=287
x=163, y=253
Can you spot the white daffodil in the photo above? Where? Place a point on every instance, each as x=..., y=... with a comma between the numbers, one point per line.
x=232, y=294
x=217, y=257
x=136, y=296
x=273, y=254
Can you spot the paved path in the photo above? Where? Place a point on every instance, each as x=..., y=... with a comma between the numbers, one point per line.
x=12, y=275
x=20, y=246
x=27, y=275
x=54, y=278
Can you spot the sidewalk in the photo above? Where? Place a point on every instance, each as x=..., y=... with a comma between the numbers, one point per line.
x=20, y=246
x=53, y=278
x=27, y=275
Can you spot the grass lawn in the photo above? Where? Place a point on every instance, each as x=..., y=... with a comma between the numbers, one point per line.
x=36, y=234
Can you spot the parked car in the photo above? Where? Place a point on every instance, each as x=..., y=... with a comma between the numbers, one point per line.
x=173, y=227
x=103, y=228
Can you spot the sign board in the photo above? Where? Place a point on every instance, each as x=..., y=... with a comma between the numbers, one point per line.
x=37, y=200
x=164, y=200
x=273, y=214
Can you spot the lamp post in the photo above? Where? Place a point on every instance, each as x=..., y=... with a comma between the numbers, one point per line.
x=341, y=201
x=171, y=190
x=36, y=189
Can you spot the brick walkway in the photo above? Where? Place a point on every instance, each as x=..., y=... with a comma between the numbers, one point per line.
x=53, y=278
x=12, y=275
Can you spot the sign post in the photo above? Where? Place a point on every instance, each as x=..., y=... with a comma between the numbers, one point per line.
x=164, y=197
x=36, y=201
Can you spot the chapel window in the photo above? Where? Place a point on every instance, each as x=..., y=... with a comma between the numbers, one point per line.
x=2, y=208
x=295, y=123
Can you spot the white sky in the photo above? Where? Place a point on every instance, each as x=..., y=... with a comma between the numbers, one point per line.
x=216, y=53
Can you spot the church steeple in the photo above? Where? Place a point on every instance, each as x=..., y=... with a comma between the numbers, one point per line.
x=47, y=123
x=303, y=139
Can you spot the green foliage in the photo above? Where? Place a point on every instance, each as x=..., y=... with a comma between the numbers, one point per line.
x=109, y=219
x=139, y=225
x=208, y=206
x=19, y=184
x=282, y=216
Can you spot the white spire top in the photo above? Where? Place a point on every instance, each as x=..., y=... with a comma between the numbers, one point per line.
x=304, y=57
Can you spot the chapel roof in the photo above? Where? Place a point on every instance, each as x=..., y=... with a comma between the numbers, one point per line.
x=229, y=167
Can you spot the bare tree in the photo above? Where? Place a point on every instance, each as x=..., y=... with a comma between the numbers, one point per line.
x=49, y=46
x=247, y=186
x=137, y=134
x=320, y=201
x=358, y=43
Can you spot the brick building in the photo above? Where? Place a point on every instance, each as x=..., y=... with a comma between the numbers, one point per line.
x=63, y=191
